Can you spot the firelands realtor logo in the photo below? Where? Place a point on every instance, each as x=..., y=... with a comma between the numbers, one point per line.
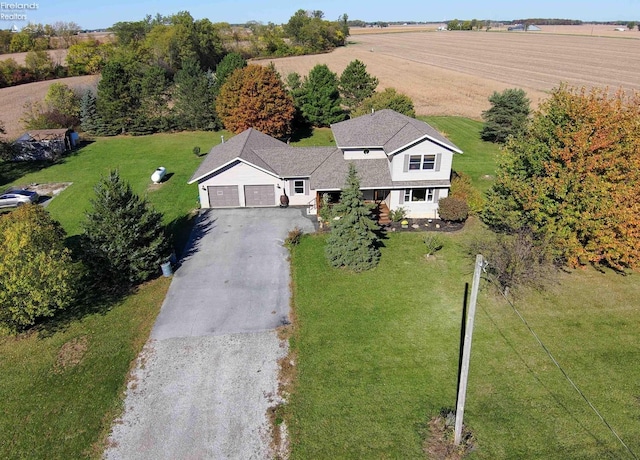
x=16, y=11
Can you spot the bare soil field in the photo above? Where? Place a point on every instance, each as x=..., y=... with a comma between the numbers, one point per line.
x=13, y=99
x=453, y=73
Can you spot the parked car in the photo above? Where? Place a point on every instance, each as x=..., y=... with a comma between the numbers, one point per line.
x=15, y=198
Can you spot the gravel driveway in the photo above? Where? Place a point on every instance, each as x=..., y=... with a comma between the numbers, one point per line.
x=208, y=374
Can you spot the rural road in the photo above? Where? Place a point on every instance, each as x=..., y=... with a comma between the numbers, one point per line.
x=208, y=374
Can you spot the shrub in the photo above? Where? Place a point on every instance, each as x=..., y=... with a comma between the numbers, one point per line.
x=516, y=260
x=396, y=215
x=463, y=189
x=433, y=242
x=293, y=239
x=453, y=209
x=196, y=151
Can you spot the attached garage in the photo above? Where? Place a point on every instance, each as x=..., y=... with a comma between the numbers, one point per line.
x=259, y=195
x=223, y=196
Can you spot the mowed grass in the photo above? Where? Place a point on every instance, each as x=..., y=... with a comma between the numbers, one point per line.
x=478, y=159
x=58, y=401
x=378, y=354
x=136, y=158
x=62, y=385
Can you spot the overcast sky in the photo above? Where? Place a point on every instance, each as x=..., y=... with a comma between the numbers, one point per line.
x=93, y=14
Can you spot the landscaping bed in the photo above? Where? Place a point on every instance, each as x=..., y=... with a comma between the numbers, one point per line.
x=424, y=225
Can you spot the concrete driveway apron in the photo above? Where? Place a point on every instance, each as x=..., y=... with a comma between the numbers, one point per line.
x=208, y=374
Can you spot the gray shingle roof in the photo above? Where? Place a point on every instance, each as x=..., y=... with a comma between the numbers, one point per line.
x=387, y=129
x=333, y=172
x=241, y=146
x=295, y=161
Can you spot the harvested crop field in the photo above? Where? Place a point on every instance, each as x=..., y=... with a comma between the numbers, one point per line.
x=453, y=73
x=14, y=98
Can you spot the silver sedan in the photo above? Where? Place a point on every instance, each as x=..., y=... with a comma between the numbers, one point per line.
x=15, y=198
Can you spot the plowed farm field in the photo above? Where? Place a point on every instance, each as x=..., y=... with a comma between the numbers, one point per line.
x=453, y=73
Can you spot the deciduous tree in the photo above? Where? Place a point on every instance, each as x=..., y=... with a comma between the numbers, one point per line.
x=507, y=116
x=123, y=241
x=37, y=275
x=387, y=99
x=255, y=97
x=353, y=242
x=574, y=178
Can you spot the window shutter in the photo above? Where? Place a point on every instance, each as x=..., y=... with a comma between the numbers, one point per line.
x=436, y=195
x=306, y=186
x=406, y=163
x=402, y=192
x=438, y=160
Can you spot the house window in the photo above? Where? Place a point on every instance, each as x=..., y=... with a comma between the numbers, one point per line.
x=417, y=162
x=366, y=151
x=298, y=187
x=419, y=194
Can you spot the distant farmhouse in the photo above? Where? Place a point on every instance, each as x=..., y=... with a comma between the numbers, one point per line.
x=523, y=28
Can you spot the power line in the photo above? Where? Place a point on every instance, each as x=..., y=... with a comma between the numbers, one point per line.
x=561, y=369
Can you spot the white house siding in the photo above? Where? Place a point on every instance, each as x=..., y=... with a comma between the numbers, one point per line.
x=239, y=174
x=424, y=148
x=358, y=154
x=299, y=199
x=417, y=209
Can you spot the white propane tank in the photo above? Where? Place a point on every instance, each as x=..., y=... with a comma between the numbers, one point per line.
x=158, y=174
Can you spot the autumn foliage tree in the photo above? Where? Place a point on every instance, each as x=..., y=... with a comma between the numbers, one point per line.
x=255, y=97
x=573, y=179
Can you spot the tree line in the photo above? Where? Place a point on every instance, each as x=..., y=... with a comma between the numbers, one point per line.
x=135, y=97
x=165, y=41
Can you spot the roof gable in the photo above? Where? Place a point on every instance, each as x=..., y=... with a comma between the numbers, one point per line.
x=387, y=129
x=242, y=146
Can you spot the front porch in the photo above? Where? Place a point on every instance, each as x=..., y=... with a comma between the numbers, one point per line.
x=377, y=197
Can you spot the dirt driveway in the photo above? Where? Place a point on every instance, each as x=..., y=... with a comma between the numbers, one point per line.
x=208, y=374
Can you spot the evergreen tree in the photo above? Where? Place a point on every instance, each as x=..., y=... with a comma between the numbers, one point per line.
x=123, y=241
x=321, y=97
x=193, y=97
x=353, y=242
x=225, y=67
x=90, y=120
x=119, y=94
x=356, y=84
x=507, y=116
x=37, y=275
x=387, y=99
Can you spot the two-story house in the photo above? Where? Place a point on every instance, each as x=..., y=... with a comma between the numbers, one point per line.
x=401, y=162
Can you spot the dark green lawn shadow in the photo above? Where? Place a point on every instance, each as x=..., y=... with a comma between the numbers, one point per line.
x=11, y=171
x=302, y=132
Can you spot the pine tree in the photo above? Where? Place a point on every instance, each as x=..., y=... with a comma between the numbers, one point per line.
x=225, y=67
x=89, y=117
x=123, y=241
x=194, y=97
x=356, y=84
x=322, y=98
x=353, y=242
x=507, y=116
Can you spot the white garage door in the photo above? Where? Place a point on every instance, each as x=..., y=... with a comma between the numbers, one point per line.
x=224, y=196
x=260, y=195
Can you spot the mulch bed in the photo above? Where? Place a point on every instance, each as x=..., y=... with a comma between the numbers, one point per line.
x=425, y=225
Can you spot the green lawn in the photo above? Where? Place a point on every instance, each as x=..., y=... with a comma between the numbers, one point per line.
x=57, y=412
x=378, y=353
x=136, y=158
x=479, y=157
x=55, y=408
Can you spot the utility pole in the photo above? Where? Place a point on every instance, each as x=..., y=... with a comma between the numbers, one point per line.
x=466, y=350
